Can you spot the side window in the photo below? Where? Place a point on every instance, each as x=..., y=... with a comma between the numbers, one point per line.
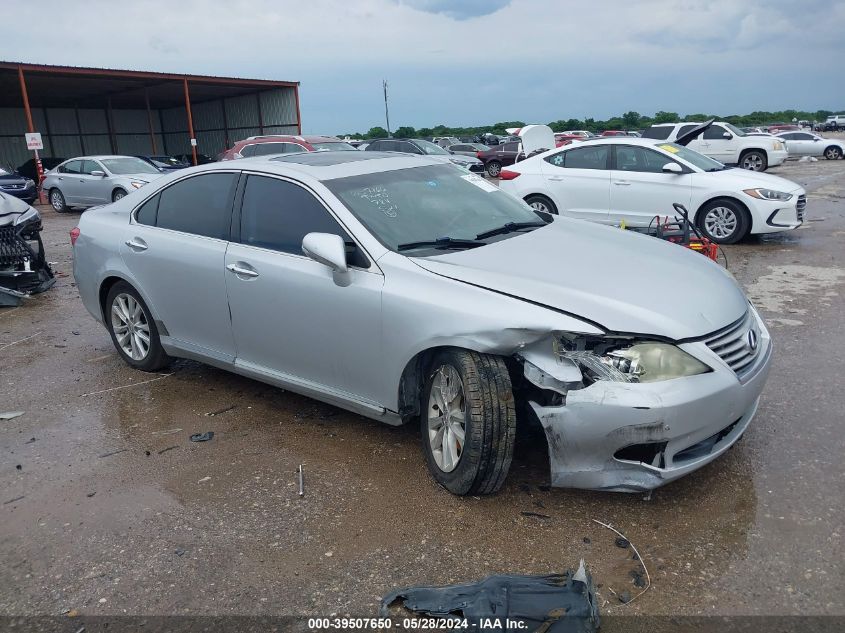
x=654, y=161
x=375, y=146
x=266, y=149
x=789, y=137
x=200, y=205
x=511, y=147
x=800, y=136
x=409, y=148
x=89, y=165
x=148, y=211
x=658, y=132
x=388, y=146
x=594, y=157
x=631, y=158
x=248, y=150
x=72, y=167
x=293, y=148
x=715, y=132
x=277, y=214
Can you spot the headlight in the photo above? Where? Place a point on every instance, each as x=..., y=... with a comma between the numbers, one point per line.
x=29, y=183
x=620, y=361
x=768, y=194
x=137, y=183
x=778, y=145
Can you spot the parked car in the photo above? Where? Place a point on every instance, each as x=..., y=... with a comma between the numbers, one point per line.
x=723, y=142
x=445, y=141
x=29, y=170
x=783, y=127
x=284, y=144
x=629, y=180
x=462, y=303
x=202, y=159
x=165, y=163
x=88, y=181
x=467, y=149
x=24, y=268
x=499, y=156
x=14, y=184
x=561, y=138
x=614, y=133
x=834, y=122
x=581, y=133
x=806, y=144
x=423, y=148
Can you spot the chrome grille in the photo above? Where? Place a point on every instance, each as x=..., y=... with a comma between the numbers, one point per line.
x=738, y=344
x=12, y=186
x=800, y=206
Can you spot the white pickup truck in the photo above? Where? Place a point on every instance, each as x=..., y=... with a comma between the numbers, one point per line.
x=725, y=143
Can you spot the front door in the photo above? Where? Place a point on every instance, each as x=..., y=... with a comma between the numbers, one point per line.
x=719, y=143
x=641, y=190
x=290, y=314
x=175, y=248
x=579, y=181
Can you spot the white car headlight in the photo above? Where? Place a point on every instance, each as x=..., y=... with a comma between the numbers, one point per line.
x=645, y=361
x=29, y=183
x=778, y=145
x=137, y=183
x=768, y=194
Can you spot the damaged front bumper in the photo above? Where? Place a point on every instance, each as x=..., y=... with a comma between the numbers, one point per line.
x=633, y=437
x=23, y=267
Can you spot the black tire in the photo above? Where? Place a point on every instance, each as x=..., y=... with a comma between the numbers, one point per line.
x=754, y=160
x=833, y=153
x=155, y=358
x=490, y=423
x=57, y=201
x=537, y=201
x=117, y=194
x=740, y=213
x=493, y=168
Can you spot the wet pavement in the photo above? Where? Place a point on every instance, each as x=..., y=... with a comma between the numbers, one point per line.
x=108, y=508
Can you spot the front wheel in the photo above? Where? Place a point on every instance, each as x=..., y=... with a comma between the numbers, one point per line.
x=117, y=195
x=133, y=330
x=833, y=153
x=754, y=161
x=57, y=201
x=468, y=421
x=541, y=203
x=494, y=168
x=724, y=221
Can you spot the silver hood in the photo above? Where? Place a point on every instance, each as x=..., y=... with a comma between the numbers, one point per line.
x=620, y=280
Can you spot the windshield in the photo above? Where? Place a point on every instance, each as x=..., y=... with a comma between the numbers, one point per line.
x=334, y=146
x=128, y=165
x=428, y=203
x=701, y=161
x=431, y=148
x=734, y=129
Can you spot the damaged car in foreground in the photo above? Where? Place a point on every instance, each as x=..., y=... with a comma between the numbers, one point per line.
x=23, y=267
x=408, y=290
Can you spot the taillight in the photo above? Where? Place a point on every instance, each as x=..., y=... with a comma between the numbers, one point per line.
x=507, y=174
x=74, y=235
x=478, y=154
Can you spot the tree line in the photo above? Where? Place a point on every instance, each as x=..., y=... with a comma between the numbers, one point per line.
x=628, y=121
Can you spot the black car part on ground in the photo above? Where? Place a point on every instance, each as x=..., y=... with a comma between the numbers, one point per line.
x=557, y=603
x=23, y=268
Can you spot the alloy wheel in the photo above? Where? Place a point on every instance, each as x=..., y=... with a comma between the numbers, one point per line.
x=56, y=201
x=721, y=222
x=130, y=326
x=753, y=162
x=539, y=206
x=831, y=153
x=118, y=195
x=446, y=418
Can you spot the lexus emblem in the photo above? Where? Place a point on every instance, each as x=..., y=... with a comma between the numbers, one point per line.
x=752, y=340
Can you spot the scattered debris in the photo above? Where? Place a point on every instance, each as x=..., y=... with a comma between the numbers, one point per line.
x=90, y=494
x=167, y=432
x=623, y=543
x=19, y=467
x=179, y=552
x=638, y=579
x=169, y=448
x=11, y=415
x=122, y=450
x=13, y=500
x=625, y=597
x=202, y=437
x=31, y=440
x=301, y=482
x=71, y=613
x=556, y=603
x=134, y=384
x=587, y=540
x=74, y=332
x=20, y=340
x=536, y=515
x=642, y=562
x=211, y=414
x=203, y=480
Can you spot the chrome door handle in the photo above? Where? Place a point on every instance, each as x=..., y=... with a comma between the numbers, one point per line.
x=137, y=245
x=621, y=183
x=556, y=178
x=240, y=270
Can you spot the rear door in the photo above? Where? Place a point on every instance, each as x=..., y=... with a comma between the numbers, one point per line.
x=578, y=180
x=176, y=249
x=640, y=190
x=290, y=314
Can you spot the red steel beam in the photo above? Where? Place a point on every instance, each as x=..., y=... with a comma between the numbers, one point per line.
x=190, y=119
x=150, y=120
x=298, y=115
x=25, y=96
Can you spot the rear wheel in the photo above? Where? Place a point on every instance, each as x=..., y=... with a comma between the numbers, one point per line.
x=494, y=168
x=132, y=328
x=724, y=221
x=468, y=421
x=754, y=160
x=57, y=201
x=833, y=153
x=541, y=203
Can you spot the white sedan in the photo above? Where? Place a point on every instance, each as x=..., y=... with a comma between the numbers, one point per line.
x=630, y=180
x=807, y=144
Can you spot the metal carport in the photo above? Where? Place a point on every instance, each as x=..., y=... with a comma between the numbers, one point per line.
x=81, y=111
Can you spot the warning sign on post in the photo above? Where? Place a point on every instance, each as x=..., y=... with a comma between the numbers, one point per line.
x=33, y=140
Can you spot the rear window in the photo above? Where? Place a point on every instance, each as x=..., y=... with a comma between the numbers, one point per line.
x=661, y=132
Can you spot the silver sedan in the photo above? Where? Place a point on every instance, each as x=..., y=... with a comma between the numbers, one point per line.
x=408, y=290
x=89, y=181
x=800, y=144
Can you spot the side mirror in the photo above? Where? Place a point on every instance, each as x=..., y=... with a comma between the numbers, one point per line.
x=327, y=249
x=237, y=155
x=727, y=135
x=672, y=168
x=98, y=172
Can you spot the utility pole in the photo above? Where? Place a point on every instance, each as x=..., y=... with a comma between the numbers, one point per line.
x=386, y=114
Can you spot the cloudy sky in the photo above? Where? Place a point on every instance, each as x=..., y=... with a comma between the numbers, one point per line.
x=465, y=62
